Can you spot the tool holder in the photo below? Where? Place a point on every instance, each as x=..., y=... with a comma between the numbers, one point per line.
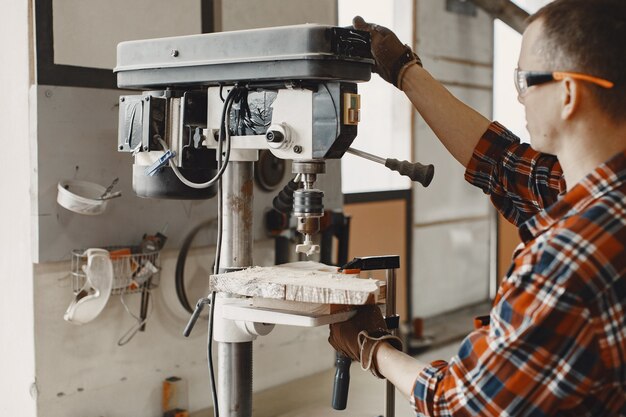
x=390, y=264
x=133, y=270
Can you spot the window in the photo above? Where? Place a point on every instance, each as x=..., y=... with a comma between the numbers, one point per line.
x=385, y=127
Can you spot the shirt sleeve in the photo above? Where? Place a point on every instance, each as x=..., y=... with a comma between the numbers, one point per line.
x=519, y=180
x=539, y=355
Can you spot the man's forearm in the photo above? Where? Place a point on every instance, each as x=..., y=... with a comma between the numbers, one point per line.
x=458, y=126
x=398, y=367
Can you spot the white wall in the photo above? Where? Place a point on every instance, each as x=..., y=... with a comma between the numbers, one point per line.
x=86, y=32
x=249, y=14
x=17, y=356
x=452, y=219
x=81, y=370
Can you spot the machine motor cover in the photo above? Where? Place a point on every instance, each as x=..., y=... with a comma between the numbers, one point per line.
x=299, y=52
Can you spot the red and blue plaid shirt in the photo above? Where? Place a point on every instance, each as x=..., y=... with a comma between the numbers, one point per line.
x=555, y=343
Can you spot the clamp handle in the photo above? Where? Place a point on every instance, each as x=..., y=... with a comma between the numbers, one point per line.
x=196, y=314
x=341, y=382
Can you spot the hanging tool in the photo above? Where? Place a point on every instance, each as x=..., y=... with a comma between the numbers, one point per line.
x=108, y=193
x=414, y=170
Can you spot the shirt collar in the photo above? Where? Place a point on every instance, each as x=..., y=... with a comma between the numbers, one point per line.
x=605, y=178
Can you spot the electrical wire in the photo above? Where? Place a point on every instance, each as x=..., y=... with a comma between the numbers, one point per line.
x=332, y=99
x=225, y=126
x=216, y=411
x=235, y=95
x=224, y=136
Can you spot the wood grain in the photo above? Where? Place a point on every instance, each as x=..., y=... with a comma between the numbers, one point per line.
x=305, y=282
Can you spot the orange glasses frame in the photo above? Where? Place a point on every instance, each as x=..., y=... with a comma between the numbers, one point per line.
x=531, y=78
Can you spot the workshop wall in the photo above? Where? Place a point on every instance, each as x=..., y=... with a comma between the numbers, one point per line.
x=453, y=220
x=80, y=369
x=17, y=356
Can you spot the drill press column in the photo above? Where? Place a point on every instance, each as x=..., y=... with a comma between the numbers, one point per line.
x=234, y=360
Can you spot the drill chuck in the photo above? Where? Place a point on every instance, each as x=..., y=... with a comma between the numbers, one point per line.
x=308, y=203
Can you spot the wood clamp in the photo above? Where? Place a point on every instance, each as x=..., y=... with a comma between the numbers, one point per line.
x=390, y=264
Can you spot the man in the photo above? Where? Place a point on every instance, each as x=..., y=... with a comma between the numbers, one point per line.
x=555, y=340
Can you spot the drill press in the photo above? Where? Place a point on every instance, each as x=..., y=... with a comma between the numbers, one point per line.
x=210, y=102
x=291, y=90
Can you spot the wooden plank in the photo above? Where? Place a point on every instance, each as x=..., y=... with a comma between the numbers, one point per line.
x=304, y=282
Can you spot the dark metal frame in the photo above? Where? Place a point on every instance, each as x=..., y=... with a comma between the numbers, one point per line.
x=407, y=196
x=50, y=73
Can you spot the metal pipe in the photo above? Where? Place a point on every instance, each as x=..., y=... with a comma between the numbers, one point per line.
x=234, y=379
x=390, y=311
x=367, y=156
x=237, y=186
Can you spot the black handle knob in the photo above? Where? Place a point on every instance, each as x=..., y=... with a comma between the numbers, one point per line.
x=416, y=171
x=342, y=381
x=274, y=136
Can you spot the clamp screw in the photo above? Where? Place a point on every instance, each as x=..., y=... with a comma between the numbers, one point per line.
x=148, y=98
x=174, y=53
x=297, y=149
x=121, y=147
x=122, y=99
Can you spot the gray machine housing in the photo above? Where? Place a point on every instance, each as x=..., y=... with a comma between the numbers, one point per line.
x=300, y=52
x=177, y=71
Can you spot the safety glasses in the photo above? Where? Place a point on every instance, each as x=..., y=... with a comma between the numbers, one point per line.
x=525, y=79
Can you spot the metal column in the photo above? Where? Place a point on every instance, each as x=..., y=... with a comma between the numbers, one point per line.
x=234, y=360
x=390, y=311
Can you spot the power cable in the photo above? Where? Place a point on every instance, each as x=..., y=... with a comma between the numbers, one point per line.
x=179, y=274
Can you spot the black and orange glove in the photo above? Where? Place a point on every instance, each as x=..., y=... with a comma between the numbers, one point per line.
x=360, y=337
x=392, y=56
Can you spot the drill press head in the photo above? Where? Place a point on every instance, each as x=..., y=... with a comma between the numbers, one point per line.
x=297, y=97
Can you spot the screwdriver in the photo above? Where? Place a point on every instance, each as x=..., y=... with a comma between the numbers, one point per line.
x=414, y=170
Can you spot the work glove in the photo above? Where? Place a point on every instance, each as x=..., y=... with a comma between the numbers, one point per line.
x=360, y=337
x=391, y=57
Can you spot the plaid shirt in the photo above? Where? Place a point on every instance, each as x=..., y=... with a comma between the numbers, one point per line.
x=555, y=341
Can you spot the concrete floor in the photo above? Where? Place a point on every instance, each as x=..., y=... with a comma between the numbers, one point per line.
x=311, y=396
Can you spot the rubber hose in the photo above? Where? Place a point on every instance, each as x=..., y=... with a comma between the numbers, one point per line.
x=179, y=274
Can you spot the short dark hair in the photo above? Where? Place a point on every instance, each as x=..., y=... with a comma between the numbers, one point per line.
x=589, y=36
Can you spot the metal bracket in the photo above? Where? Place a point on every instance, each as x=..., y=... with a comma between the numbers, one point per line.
x=462, y=7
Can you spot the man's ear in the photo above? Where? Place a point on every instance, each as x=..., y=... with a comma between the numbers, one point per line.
x=570, y=97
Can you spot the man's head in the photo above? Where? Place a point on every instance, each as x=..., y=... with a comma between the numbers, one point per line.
x=579, y=36
x=589, y=37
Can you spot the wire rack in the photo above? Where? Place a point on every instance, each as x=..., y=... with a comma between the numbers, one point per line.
x=133, y=270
